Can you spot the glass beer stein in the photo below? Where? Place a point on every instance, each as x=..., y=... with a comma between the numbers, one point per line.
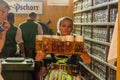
x=39, y=40
x=79, y=44
x=47, y=44
x=69, y=45
x=58, y=44
x=55, y=44
x=61, y=45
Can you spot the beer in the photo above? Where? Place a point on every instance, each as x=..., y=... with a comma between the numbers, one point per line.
x=61, y=45
x=39, y=40
x=47, y=44
x=55, y=44
x=69, y=45
x=79, y=47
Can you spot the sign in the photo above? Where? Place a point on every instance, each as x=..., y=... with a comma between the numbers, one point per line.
x=25, y=6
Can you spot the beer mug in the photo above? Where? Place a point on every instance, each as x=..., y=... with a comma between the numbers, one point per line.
x=79, y=46
x=47, y=44
x=69, y=45
x=39, y=40
x=55, y=44
x=61, y=45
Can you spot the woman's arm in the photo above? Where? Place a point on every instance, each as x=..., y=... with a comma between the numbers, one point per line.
x=85, y=57
x=38, y=48
x=39, y=56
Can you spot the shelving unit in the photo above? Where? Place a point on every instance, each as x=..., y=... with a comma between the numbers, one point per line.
x=95, y=19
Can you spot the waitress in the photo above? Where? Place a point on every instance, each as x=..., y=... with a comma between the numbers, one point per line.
x=65, y=67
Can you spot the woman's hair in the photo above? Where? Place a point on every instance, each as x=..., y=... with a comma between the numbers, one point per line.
x=60, y=22
x=4, y=5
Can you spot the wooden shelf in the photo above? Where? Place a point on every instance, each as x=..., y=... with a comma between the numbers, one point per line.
x=91, y=29
x=97, y=23
x=97, y=6
x=113, y=2
x=96, y=41
x=92, y=72
x=103, y=62
x=75, y=1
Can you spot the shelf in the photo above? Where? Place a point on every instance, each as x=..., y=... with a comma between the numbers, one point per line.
x=87, y=9
x=100, y=42
x=100, y=5
x=97, y=6
x=105, y=4
x=87, y=20
x=93, y=73
x=96, y=23
x=75, y=1
x=76, y=12
x=113, y=2
x=112, y=67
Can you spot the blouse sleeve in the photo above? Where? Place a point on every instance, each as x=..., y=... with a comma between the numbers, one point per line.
x=74, y=59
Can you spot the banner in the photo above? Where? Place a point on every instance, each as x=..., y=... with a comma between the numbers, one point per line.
x=25, y=6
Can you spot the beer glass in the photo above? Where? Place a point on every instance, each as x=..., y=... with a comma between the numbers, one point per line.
x=47, y=44
x=69, y=45
x=39, y=40
x=79, y=46
x=55, y=44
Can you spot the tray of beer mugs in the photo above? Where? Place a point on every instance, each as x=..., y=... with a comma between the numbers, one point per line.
x=66, y=45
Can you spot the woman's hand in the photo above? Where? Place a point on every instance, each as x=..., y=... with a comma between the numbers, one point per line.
x=85, y=56
x=39, y=56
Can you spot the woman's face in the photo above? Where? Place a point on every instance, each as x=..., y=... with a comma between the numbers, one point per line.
x=66, y=27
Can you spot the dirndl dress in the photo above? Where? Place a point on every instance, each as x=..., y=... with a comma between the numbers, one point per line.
x=62, y=70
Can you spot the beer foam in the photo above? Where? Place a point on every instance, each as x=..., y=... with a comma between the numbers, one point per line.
x=79, y=38
x=39, y=37
x=47, y=36
x=55, y=37
x=69, y=38
x=62, y=38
